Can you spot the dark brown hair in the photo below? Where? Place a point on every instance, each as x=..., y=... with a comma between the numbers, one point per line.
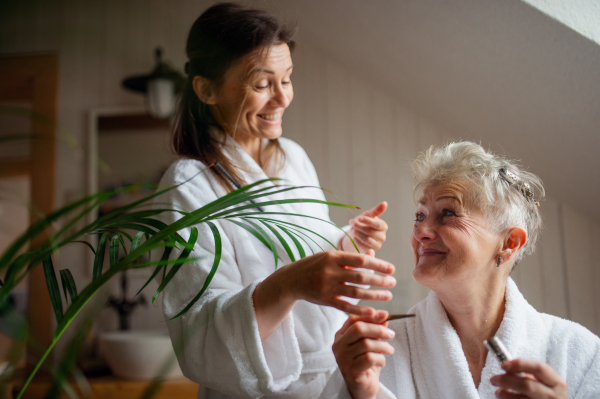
x=222, y=35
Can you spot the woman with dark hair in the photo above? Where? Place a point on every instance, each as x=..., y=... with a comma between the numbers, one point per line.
x=257, y=331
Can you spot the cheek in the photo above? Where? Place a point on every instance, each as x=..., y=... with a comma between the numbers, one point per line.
x=413, y=241
x=254, y=104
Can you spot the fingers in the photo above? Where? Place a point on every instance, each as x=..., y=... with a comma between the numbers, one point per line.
x=362, y=261
x=529, y=378
x=366, y=224
x=368, y=360
x=363, y=328
x=367, y=278
x=363, y=294
x=378, y=318
x=369, y=232
x=504, y=394
x=541, y=371
x=374, y=241
x=521, y=385
x=363, y=311
x=377, y=210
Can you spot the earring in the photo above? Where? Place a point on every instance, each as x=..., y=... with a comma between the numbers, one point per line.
x=498, y=261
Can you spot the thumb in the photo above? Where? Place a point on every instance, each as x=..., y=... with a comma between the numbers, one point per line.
x=370, y=252
x=377, y=210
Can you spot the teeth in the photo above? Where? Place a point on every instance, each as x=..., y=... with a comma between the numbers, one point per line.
x=271, y=117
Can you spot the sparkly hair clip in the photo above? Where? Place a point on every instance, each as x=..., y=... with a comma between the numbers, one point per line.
x=523, y=187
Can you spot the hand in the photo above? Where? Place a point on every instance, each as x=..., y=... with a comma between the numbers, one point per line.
x=359, y=350
x=321, y=279
x=537, y=380
x=367, y=230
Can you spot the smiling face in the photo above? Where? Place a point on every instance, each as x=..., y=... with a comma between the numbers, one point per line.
x=452, y=244
x=252, y=99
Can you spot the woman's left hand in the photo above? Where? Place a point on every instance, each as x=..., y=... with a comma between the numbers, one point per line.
x=367, y=230
x=538, y=381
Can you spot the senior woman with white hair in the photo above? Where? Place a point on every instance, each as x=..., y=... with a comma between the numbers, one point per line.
x=476, y=217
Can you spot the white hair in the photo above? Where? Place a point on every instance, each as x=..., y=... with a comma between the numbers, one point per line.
x=505, y=202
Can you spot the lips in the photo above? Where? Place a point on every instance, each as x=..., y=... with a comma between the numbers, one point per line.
x=270, y=117
x=431, y=252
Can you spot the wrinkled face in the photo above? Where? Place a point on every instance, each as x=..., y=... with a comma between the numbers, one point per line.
x=451, y=243
x=254, y=106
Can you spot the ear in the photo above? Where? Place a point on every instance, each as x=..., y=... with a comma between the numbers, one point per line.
x=515, y=239
x=204, y=90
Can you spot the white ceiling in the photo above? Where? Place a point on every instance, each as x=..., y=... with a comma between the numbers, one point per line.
x=499, y=72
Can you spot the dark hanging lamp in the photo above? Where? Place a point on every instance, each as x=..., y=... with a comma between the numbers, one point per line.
x=160, y=87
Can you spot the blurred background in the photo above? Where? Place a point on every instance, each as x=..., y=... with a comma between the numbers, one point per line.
x=375, y=83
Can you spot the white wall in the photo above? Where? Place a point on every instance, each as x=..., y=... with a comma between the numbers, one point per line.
x=359, y=137
x=580, y=15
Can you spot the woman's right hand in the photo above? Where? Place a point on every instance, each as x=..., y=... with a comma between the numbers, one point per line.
x=359, y=350
x=321, y=279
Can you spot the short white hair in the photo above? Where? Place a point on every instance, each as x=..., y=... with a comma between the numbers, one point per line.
x=505, y=202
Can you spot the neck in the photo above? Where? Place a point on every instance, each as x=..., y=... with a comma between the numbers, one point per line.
x=475, y=312
x=250, y=144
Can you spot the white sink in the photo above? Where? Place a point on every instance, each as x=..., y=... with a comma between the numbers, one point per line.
x=139, y=355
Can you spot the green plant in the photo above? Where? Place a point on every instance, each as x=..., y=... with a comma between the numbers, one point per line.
x=150, y=234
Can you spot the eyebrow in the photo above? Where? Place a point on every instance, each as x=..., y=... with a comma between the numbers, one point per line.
x=448, y=197
x=268, y=70
x=442, y=198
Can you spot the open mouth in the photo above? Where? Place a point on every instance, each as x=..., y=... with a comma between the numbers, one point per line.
x=270, y=117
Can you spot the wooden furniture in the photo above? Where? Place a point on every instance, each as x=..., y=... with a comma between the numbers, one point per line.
x=114, y=388
x=32, y=80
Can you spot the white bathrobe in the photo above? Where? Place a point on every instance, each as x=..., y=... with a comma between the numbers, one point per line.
x=222, y=350
x=429, y=362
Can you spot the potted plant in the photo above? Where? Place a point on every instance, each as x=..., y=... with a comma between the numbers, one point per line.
x=150, y=234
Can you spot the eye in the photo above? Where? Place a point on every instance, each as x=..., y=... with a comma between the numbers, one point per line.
x=419, y=217
x=448, y=212
x=262, y=84
x=286, y=82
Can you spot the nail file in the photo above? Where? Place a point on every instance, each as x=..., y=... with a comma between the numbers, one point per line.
x=398, y=316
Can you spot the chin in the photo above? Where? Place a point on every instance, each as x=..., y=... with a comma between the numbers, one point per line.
x=273, y=134
x=426, y=273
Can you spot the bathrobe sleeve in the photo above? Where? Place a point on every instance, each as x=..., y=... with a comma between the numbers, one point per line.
x=217, y=341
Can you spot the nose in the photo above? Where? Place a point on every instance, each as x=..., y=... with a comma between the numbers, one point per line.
x=282, y=96
x=425, y=231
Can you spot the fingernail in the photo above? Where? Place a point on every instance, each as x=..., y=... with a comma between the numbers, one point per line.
x=392, y=280
x=351, y=221
x=361, y=219
x=494, y=381
x=391, y=333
